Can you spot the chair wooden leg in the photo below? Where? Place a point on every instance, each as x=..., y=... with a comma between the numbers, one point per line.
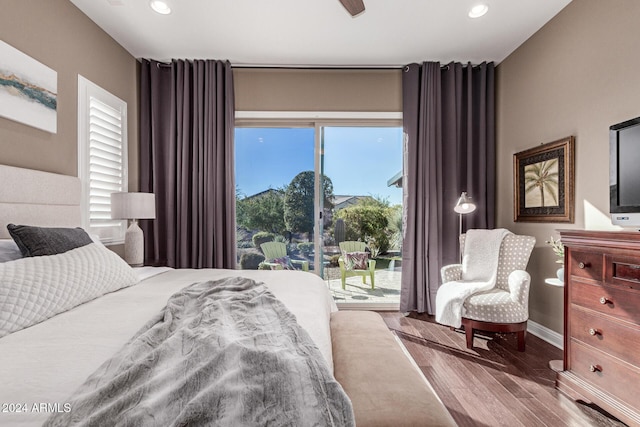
x=468, y=331
x=372, y=280
x=471, y=325
x=364, y=279
x=344, y=280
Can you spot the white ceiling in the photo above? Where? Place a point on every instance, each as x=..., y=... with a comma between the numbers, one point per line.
x=389, y=33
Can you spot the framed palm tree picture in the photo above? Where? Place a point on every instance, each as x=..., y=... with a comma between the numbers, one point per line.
x=543, y=182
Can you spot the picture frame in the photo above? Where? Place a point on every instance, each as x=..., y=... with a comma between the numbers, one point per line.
x=544, y=182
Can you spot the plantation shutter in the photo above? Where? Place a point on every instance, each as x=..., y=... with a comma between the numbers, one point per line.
x=104, y=158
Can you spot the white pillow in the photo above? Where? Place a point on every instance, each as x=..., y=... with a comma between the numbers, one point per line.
x=9, y=251
x=33, y=289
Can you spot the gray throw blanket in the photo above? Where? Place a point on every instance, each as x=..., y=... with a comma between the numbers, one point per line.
x=221, y=353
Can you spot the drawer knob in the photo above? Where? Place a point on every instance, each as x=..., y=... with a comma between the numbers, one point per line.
x=595, y=368
x=604, y=300
x=583, y=265
x=593, y=332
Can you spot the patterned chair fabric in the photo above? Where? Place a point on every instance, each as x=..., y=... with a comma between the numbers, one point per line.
x=508, y=302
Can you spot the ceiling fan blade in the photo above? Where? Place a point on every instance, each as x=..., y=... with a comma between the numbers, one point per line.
x=354, y=7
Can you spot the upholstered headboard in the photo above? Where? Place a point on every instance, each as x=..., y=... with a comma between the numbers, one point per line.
x=34, y=197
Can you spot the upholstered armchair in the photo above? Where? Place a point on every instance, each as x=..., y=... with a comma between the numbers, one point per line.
x=505, y=308
x=350, y=266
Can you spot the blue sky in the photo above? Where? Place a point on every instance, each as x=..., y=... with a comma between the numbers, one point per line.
x=358, y=160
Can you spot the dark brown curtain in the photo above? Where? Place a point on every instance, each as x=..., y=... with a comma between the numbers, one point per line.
x=449, y=126
x=186, y=159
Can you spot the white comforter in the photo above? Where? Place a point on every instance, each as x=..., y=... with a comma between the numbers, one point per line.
x=45, y=363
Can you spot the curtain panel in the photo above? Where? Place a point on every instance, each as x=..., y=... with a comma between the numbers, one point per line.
x=449, y=127
x=186, y=159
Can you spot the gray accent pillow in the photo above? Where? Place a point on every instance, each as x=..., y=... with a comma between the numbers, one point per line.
x=39, y=241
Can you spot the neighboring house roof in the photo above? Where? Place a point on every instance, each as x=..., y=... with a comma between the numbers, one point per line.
x=262, y=193
x=342, y=201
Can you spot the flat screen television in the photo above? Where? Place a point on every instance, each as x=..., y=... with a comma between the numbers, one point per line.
x=624, y=173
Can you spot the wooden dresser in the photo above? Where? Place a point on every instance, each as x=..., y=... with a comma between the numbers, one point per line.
x=602, y=321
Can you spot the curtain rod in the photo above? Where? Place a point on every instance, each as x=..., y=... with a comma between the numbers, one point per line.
x=312, y=67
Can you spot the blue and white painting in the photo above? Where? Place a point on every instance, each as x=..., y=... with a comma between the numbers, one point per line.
x=28, y=90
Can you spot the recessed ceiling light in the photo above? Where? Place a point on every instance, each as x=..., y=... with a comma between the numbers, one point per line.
x=160, y=6
x=478, y=11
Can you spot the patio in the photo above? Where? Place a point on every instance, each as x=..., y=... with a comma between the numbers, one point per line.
x=387, y=287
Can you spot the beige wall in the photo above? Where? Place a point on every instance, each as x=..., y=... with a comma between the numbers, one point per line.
x=282, y=89
x=58, y=35
x=576, y=76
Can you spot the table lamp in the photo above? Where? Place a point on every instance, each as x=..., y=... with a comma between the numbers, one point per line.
x=133, y=206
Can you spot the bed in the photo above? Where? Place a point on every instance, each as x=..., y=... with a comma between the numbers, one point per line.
x=42, y=365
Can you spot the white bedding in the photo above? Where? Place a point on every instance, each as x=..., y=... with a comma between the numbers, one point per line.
x=47, y=362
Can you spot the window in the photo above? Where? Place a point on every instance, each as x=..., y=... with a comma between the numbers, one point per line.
x=102, y=158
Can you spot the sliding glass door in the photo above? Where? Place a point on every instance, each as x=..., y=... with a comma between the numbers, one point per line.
x=364, y=164
x=311, y=189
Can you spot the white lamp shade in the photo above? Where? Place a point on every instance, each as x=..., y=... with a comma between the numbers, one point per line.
x=464, y=204
x=133, y=205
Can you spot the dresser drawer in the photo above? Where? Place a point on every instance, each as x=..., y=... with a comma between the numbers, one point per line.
x=622, y=271
x=586, y=264
x=619, y=303
x=605, y=372
x=603, y=333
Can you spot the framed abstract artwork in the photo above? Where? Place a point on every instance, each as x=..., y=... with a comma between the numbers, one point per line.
x=28, y=90
x=544, y=182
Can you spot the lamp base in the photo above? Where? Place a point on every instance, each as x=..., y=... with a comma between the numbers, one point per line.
x=134, y=245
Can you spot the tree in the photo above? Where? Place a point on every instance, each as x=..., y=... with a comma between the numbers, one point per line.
x=299, y=201
x=263, y=212
x=542, y=176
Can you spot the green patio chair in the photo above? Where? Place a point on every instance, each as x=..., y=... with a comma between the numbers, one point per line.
x=351, y=246
x=275, y=256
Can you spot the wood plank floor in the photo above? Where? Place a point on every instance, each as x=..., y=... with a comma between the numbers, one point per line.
x=493, y=384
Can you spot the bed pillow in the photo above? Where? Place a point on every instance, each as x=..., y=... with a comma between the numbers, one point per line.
x=356, y=261
x=39, y=241
x=33, y=289
x=9, y=251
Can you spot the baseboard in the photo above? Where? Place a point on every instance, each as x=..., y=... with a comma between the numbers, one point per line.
x=546, y=334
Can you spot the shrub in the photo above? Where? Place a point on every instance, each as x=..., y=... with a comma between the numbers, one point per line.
x=333, y=261
x=250, y=260
x=262, y=237
x=367, y=222
x=306, y=247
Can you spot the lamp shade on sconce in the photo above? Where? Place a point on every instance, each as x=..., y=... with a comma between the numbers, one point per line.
x=133, y=206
